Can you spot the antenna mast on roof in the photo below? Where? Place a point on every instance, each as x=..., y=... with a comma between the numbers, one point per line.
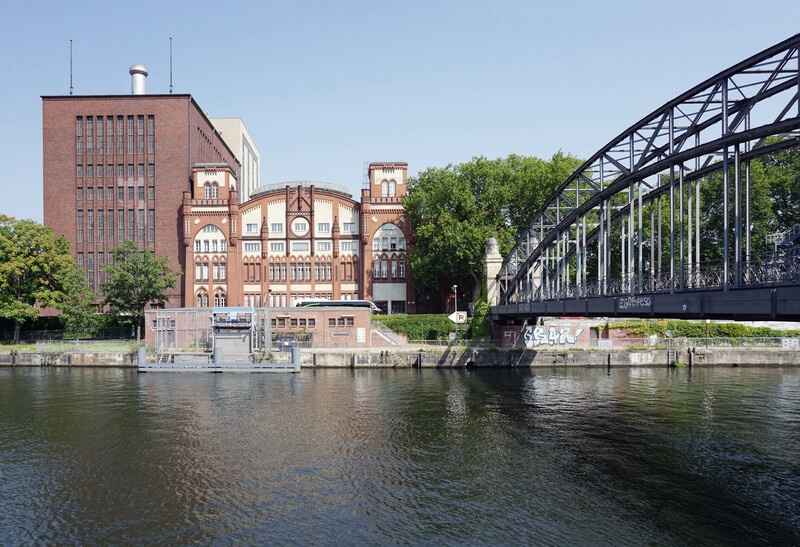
x=170, y=64
x=70, y=67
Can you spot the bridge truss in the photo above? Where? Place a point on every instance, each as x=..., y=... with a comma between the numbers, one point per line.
x=627, y=223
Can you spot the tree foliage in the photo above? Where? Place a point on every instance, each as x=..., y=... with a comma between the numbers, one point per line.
x=36, y=271
x=455, y=209
x=136, y=278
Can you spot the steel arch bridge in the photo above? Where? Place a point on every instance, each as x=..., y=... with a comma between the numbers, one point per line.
x=622, y=235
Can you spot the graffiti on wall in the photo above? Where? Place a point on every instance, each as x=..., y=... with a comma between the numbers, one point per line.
x=550, y=336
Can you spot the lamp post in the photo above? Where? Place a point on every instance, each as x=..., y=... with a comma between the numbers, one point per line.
x=455, y=298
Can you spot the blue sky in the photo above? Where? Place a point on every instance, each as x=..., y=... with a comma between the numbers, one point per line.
x=325, y=86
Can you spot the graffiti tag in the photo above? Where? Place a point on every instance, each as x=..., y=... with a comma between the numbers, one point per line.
x=628, y=302
x=538, y=336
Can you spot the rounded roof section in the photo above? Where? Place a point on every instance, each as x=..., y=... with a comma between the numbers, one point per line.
x=138, y=69
x=279, y=187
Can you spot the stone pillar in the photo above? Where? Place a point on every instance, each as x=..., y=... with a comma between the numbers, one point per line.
x=492, y=262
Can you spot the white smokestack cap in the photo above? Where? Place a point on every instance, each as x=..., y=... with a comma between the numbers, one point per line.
x=138, y=74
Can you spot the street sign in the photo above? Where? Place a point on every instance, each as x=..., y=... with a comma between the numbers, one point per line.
x=459, y=317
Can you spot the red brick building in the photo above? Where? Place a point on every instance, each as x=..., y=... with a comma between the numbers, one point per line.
x=153, y=169
x=296, y=240
x=116, y=168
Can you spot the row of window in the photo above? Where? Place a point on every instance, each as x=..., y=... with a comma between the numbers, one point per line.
x=88, y=266
x=219, y=271
x=381, y=269
x=210, y=246
x=98, y=135
x=100, y=193
x=388, y=188
x=202, y=299
x=100, y=171
x=101, y=125
x=107, y=221
x=100, y=145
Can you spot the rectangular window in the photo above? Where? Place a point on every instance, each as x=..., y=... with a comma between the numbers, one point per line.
x=100, y=193
x=110, y=125
x=141, y=192
x=151, y=144
x=252, y=247
x=89, y=145
x=120, y=171
x=80, y=226
x=101, y=260
x=130, y=125
x=151, y=169
x=276, y=227
x=90, y=125
x=120, y=125
x=130, y=144
x=151, y=225
x=401, y=269
x=283, y=272
x=120, y=144
x=252, y=228
x=349, y=227
x=140, y=144
x=80, y=260
x=79, y=146
x=328, y=272
x=130, y=171
x=120, y=192
x=151, y=124
x=79, y=171
x=316, y=271
x=79, y=125
x=276, y=246
x=131, y=224
x=376, y=269
x=110, y=144
x=100, y=144
x=323, y=246
x=101, y=219
x=99, y=125
x=90, y=269
x=151, y=192
x=292, y=272
x=90, y=170
x=80, y=194
x=197, y=245
x=140, y=123
x=307, y=268
x=300, y=245
x=130, y=192
x=384, y=272
x=324, y=227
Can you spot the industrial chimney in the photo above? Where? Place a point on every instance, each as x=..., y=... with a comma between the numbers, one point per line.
x=138, y=74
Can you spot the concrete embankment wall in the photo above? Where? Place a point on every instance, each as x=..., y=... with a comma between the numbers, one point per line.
x=463, y=357
x=457, y=357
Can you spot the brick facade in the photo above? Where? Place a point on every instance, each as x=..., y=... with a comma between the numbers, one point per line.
x=129, y=156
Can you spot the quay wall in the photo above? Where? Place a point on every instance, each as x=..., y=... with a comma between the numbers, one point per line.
x=461, y=357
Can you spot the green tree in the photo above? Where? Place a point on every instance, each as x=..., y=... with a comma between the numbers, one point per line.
x=136, y=279
x=36, y=271
x=454, y=210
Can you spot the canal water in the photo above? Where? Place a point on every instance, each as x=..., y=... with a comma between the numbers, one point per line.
x=544, y=456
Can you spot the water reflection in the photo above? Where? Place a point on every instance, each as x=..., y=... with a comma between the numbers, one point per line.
x=376, y=456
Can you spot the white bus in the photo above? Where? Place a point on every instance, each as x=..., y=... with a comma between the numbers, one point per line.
x=324, y=303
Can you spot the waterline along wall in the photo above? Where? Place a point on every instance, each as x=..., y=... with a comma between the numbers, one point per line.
x=464, y=357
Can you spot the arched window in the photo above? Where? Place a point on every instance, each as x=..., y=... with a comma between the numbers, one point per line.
x=384, y=188
x=392, y=188
x=214, y=190
x=219, y=299
x=202, y=299
x=207, y=188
